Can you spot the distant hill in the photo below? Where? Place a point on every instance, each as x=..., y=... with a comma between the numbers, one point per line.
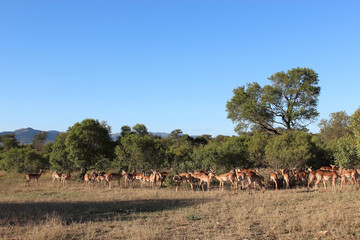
x=26, y=135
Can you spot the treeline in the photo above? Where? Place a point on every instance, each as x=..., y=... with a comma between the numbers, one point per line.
x=270, y=120
x=87, y=145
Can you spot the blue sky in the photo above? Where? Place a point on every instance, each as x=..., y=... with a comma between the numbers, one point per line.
x=167, y=64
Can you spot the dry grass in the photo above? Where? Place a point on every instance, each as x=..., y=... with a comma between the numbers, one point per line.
x=80, y=212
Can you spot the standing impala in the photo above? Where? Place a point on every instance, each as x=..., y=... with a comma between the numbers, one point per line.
x=273, y=178
x=227, y=177
x=34, y=176
x=285, y=173
x=206, y=179
x=55, y=175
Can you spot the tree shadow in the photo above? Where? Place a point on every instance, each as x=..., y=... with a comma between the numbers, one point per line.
x=69, y=212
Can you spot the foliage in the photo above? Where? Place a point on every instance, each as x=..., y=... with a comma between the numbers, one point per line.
x=290, y=102
x=139, y=152
x=292, y=149
x=22, y=160
x=355, y=128
x=39, y=140
x=8, y=141
x=336, y=127
x=346, y=152
x=222, y=156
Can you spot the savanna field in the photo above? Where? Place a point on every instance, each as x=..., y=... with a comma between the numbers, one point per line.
x=77, y=211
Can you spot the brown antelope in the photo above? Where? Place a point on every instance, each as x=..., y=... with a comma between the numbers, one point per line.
x=241, y=177
x=128, y=178
x=177, y=179
x=34, y=176
x=256, y=179
x=101, y=178
x=206, y=178
x=347, y=174
x=145, y=180
x=227, y=177
x=273, y=178
x=138, y=176
x=87, y=178
x=325, y=176
x=111, y=176
x=65, y=177
x=326, y=168
x=163, y=177
x=285, y=173
x=93, y=175
x=187, y=178
x=154, y=178
x=55, y=175
x=301, y=175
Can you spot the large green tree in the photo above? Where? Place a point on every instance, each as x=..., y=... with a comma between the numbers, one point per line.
x=290, y=102
x=88, y=145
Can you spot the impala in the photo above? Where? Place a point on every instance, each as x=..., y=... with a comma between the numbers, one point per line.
x=326, y=168
x=138, y=176
x=273, y=178
x=111, y=176
x=325, y=176
x=34, y=176
x=177, y=179
x=256, y=179
x=187, y=178
x=163, y=177
x=128, y=178
x=241, y=177
x=301, y=175
x=87, y=178
x=206, y=178
x=55, y=175
x=285, y=173
x=65, y=177
x=154, y=177
x=227, y=177
x=347, y=174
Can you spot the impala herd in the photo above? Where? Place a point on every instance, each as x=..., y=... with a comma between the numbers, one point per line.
x=202, y=179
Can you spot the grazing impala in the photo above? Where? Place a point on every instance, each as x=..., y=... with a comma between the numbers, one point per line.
x=256, y=179
x=285, y=173
x=34, y=176
x=55, y=175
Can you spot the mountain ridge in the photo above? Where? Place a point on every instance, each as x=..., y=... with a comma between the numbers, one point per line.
x=26, y=135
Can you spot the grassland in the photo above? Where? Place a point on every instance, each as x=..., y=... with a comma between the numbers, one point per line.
x=79, y=212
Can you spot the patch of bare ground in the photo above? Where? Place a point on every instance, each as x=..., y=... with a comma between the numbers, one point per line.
x=77, y=211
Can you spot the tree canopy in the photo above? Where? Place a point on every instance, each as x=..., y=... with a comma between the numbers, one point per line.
x=290, y=102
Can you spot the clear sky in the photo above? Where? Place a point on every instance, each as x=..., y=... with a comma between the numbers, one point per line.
x=167, y=64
